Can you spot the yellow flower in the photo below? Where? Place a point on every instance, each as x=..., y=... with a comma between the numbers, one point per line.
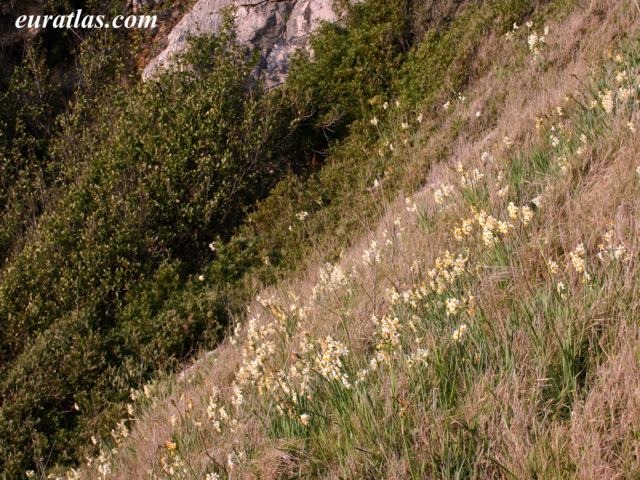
x=503, y=227
x=578, y=262
x=171, y=446
x=513, y=210
x=527, y=215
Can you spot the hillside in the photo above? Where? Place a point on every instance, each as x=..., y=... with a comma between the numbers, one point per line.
x=417, y=258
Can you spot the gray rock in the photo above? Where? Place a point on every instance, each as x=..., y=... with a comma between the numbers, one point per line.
x=275, y=28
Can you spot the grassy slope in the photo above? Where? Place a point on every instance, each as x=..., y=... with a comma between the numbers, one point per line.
x=541, y=381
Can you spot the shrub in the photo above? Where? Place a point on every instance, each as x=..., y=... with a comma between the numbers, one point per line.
x=353, y=64
x=165, y=178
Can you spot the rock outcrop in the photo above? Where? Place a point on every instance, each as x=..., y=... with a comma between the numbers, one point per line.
x=275, y=28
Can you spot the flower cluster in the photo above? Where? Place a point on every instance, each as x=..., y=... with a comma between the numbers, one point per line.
x=441, y=193
x=329, y=362
x=535, y=40
x=332, y=278
x=446, y=270
x=609, y=250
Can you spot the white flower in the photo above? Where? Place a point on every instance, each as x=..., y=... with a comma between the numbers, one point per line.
x=304, y=419
x=527, y=215
x=238, y=398
x=631, y=126
x=302, y=215
x=446, y=106
x=420, y=118
x=212, y=476
x=452, y=304
x=624, y=94
x=560, y=288
x=442, y=193
x=374, y=121
x=606, y=99
x=410, y=205
x=329, y=362
x=459, y=332
x=372, y=254
x=578, y=261
x=537, y=201
x=201, y=278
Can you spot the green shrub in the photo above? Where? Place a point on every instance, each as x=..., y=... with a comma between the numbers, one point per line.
x=353, y=64
x=179, y=164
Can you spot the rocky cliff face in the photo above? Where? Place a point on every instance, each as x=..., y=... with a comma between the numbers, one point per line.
x=275, y=28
